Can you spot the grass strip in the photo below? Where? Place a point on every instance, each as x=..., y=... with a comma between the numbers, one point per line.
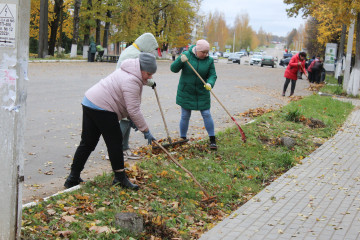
x=169, y=201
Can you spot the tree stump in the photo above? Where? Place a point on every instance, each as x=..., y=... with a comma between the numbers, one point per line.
x=129, y=221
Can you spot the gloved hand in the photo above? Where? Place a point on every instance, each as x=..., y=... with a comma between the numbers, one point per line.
x=207, y=86
x=184, y=58
x=149, y=137
x=154, y=85
x=132, y=125
x=150, y=82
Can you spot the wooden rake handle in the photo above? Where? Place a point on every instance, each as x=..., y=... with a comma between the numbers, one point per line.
x=183, y=168
x=232, y=118
x=162, y=115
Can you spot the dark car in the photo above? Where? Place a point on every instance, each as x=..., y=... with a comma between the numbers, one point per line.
x=287, y=55
x=284, y=62
x=268, y=61
x=235, y=58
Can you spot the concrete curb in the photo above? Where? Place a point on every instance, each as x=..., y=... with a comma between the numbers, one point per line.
x=31, y=204
x=55, y=60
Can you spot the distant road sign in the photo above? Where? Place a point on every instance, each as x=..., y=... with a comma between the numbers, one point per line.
x=228, y=50
x=213, y=49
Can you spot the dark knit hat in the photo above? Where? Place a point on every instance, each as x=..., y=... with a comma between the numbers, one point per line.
x=148, y=62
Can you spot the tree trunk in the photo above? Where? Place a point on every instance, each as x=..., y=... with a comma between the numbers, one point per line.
x=54, y=25
x=106, y=32
x=340, y=52
x=87, y=32
x=75, y=39
x=98, y=32
x=59, y=43
x=43, y=29
x=353, y=87
x=348, y=55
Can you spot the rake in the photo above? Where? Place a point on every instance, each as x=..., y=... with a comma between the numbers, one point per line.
x=232, y=118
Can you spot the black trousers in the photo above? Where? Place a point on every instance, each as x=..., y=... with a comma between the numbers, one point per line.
x=94, y=124
x=293, y=84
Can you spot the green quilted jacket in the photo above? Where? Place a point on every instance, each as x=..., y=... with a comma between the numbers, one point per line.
x=191, y=93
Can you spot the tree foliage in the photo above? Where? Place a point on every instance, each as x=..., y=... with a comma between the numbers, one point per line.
x=216, y=30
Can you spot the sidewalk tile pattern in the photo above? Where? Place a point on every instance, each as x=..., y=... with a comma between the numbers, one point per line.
x=319, y=199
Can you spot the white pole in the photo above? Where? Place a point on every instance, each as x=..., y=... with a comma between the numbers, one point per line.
x=14, y=53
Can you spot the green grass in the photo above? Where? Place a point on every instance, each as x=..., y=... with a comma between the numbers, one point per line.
x=56, y=57
x=337, y=89
x=169, y=200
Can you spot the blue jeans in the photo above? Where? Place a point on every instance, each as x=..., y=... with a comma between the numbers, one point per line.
x=125, y=129
x=185, y=117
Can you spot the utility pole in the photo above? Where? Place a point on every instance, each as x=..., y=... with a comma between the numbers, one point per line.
x=14, y=55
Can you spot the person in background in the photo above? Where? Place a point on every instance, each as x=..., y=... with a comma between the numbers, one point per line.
x=317, y=69
x=92, y=51
x=116, y=96
x=192, y=94
x=296, y=64
x=100, y=51
x=309, y=70
x=173, y=53
x=144, y=43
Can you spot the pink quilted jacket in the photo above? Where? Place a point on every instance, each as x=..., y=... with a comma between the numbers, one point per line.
x=120, y=92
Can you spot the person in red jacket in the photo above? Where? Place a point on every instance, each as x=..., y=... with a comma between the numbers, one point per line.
x=297, y=63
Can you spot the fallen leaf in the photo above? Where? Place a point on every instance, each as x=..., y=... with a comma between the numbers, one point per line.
x=64, y=233
x=99, y=229
x=69, y=219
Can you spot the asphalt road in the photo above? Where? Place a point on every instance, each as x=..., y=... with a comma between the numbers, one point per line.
x=53, y=122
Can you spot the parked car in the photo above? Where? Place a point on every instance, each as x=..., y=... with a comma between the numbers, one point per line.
x=268, y=61
x=284, y=62
x=226, y=54
x=255, y=59
x=287, y=55
x=214, y=56
x=241, y=54
x=235, y=58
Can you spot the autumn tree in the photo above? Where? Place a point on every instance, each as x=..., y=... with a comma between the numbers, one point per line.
x=314, y=48
x=290, y=38
x=243, y=31
x=215, y=30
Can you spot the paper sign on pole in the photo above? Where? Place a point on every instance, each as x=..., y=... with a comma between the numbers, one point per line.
x=7, y=25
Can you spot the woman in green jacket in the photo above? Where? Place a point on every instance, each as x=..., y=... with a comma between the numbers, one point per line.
x=192, y=94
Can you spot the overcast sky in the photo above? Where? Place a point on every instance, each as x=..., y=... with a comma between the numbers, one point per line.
x=268, y=14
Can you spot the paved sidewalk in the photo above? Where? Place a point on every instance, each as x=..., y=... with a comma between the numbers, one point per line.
x=319, y=199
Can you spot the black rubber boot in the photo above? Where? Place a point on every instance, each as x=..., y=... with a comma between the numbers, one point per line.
x=213, y=145
x=73, y=179
x=122, y=180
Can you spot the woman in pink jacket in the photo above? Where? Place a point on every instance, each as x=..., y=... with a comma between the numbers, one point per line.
x=115, y=97
x=297, y=63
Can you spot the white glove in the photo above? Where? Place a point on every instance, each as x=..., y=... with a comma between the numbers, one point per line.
x=150, y=82
x=184, y=58
x=207, y=86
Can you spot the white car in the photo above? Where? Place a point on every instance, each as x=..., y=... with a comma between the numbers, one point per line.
x=214, y=56
x=241, y=54
x=226, y=54
x=255, y=59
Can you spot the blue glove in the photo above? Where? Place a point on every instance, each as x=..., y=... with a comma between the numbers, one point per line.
x=132, y=125
x=149, y=137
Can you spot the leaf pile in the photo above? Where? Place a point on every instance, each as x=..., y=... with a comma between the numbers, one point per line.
x=256, y=112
